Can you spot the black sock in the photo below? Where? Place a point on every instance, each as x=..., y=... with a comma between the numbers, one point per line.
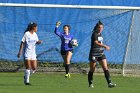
x=67, y=67
x=90, y=77
x=107, y=76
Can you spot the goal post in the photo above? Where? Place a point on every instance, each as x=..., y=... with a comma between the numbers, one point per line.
x=126, y=53
x=69, y=6
x=121, y=31
x=131, y=65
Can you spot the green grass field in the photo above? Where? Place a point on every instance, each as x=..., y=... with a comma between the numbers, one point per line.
x=56, y=83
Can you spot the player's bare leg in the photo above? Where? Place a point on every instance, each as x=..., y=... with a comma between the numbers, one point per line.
x=33, y=66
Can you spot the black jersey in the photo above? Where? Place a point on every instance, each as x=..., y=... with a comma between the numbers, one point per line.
x=96, y=49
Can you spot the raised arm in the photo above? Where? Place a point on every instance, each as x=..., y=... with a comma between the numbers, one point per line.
x=57, y=32
x=56, y=29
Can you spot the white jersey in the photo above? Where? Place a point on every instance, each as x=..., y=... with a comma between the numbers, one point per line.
x=30, y=45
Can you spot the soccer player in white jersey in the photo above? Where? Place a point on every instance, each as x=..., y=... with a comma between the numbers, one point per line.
x=28, y=45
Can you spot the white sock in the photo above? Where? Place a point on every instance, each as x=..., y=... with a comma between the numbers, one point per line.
x=27, y=75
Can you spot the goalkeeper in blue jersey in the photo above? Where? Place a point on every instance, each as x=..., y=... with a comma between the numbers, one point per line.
x=97, y=54
x=66, y=47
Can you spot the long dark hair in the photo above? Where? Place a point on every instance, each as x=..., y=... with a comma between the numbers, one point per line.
x=30, y=26
x=96, y=26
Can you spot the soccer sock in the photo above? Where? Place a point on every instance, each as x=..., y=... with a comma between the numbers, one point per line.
x=107, y=76
x=67, y=67
x=27, y=75
x=90, y=77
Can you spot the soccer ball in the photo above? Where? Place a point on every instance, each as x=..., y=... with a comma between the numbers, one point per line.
x=74, y=42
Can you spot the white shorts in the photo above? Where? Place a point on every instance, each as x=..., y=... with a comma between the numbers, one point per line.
x=33, y=57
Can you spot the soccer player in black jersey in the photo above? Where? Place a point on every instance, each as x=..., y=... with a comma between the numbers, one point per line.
x=97, y=54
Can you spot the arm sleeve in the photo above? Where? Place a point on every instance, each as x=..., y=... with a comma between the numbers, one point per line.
x=24, y=38
x=57, y=32
x=94, y=37
x=37, y=38
x=72, y=37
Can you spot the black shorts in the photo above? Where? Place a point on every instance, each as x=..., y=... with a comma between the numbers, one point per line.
x=96, y=58
x=65, y=52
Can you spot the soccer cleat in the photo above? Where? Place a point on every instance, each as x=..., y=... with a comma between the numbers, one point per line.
x=28, y=84
x=67, y=75
x=91, y=86
x=110, y=85
x=25, y=82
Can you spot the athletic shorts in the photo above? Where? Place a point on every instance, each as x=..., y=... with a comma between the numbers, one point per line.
x=33, y=57
x=96, y=58
x=65, y=52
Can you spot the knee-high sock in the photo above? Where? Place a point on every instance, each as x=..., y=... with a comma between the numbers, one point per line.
x=107, y=76
x=90, y=77
x=27, y=75
x=67, y=67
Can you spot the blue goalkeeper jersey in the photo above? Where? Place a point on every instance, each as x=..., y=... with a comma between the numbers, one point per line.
x=65, y=40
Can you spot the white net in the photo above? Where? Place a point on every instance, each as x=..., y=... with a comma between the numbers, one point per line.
x=131, y=62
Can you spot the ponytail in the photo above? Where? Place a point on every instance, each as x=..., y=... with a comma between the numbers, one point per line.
x=30, y=26
x=96, y=26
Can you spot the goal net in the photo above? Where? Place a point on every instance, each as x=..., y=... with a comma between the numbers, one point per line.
x=131, y=64
x=121, y=32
